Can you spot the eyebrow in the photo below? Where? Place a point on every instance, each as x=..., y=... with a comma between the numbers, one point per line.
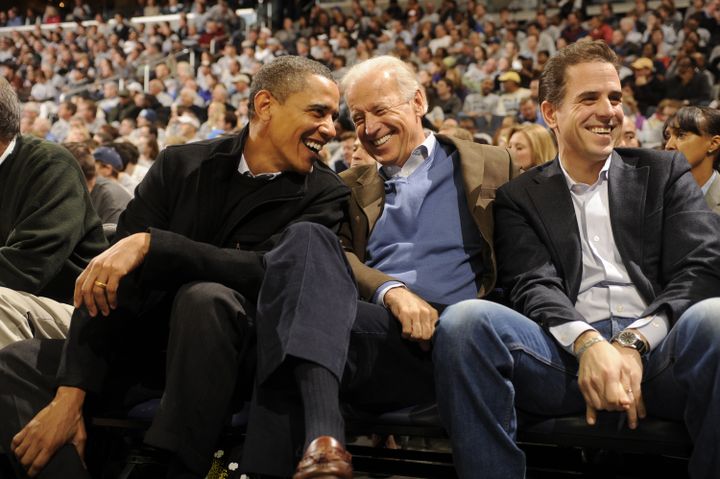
x=591, y=95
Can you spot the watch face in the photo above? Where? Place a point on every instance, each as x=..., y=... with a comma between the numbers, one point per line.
x=627, y=338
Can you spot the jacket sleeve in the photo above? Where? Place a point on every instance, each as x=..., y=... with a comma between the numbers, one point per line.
x=526, y=270
x=690, y=253
x=175, y=259
x=51, y=222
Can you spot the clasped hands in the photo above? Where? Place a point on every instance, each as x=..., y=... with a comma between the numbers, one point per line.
x=609, y=377
x=417, y=317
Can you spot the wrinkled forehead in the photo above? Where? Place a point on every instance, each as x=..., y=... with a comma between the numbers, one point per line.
x=372, y=90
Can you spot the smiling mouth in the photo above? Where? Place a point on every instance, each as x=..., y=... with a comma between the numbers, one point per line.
x=313, y=146
x=381, y=141
x=601, y=130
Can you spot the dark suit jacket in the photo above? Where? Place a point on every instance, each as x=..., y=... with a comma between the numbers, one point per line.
x=181, y=202
x=667, y=237
x=484, y=169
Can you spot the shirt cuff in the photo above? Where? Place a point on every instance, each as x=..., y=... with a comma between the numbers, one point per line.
x=379, y=296
x=567, y=333
x=653, y=328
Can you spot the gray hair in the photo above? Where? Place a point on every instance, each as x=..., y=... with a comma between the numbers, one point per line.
x=285, y=76
x=10, y=112
x=407, y=82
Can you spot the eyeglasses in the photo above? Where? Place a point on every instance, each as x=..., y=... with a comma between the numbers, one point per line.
x=358, y=118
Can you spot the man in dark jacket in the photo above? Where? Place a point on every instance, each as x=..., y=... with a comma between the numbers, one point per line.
x=48, y=230
x=185, y=276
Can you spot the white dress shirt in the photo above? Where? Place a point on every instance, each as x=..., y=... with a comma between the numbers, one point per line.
x=606, y=289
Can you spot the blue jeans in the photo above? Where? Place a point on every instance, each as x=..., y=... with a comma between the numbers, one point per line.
x=491, y=361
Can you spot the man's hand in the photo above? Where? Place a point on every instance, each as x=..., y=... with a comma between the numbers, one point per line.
x=605, y=379
x=416, y=316
x=633, y=363
x=59, y=423
x=97, y=286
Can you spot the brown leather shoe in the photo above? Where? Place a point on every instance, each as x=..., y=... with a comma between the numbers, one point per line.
x=325, y=457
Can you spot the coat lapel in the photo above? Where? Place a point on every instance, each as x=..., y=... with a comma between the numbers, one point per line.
x=551, y=197
x=627, y=190
x=369, y=192
x=713, y=196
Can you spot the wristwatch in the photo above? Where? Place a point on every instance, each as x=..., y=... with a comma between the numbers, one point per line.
x=631, y=339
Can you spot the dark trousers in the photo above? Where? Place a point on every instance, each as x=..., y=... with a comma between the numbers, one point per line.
x=360, y=342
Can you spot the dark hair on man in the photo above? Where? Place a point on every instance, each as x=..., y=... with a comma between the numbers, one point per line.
x=128, y=152
x=284, y=76
x=71, y=107
x=10, y=111
x=82, y=153
x=700, y=120
x=553, y=79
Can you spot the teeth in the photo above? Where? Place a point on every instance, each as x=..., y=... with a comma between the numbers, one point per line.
x=313, y=145
x=382, y=140
x=600, y=130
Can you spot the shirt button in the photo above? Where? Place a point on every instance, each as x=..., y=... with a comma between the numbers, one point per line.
x=596, y=238
x=620, y=309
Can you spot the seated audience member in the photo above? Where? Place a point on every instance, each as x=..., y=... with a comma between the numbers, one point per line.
x=513, y=93
x=608, y=258
x=108, y=197
x=133, y=172
x=531, y=145
x=629, y=136
x=695, y=132
x=360, y=156
x=108, y=163
x=192, y=250
x=48, y=230
x=688, y=84
x=652, y=131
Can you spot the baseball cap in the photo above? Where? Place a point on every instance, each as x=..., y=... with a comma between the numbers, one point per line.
x=148, y=114
x=108, y=156
x=643, y=62
x=510, y=76
x=189, y=120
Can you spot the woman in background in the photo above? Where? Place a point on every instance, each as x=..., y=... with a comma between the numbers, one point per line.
x=531, y=145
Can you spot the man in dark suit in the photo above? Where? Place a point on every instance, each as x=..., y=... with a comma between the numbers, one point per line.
x=185, y=276
x=608, y=258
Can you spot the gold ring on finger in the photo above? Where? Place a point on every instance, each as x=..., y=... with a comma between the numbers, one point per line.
x=101, y=284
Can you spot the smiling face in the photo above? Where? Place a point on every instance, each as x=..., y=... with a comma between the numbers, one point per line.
x=589, y=121
x=387, y=122
x=298, y=128
x=692, y=145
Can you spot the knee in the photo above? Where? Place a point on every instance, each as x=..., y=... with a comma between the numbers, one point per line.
x=201, y=306
x=703, y=321
x=463, y=324
x=305, y=230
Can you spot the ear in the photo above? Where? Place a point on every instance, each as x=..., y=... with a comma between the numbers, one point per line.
x=419, y=103
x=548, y=113
x=263, y=103
x=714, y=145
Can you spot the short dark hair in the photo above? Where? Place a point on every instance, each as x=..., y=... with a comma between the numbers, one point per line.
x=81, y=152
x=10, y=111
x=553, y=79
x=700, y=120
x=128, y=152
x=284, y=76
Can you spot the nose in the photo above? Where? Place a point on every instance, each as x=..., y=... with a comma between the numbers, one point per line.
x=605, y=108
x=327, y=127
x=670, y=145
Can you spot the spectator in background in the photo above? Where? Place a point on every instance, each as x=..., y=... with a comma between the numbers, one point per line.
x=60, y=128
x=108, y=197
x=688, y=84
x=652, y=131
x=629, y=137
x=647, y=88
x=531, y=144
x=695, y=132
x=48, y=230
x=446, y=99
x=509, y=102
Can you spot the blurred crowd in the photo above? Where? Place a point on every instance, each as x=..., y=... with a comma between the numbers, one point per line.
x=480, y=69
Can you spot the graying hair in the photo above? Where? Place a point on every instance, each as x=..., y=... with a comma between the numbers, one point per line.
x=405, y=77
x=10, y=111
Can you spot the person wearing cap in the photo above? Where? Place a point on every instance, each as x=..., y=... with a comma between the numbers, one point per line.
x=240, y=89
x=647, y=88
x=108, y=164
x=188, y=127
x=49, y=230
x=509, y=102
x=191, y=281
